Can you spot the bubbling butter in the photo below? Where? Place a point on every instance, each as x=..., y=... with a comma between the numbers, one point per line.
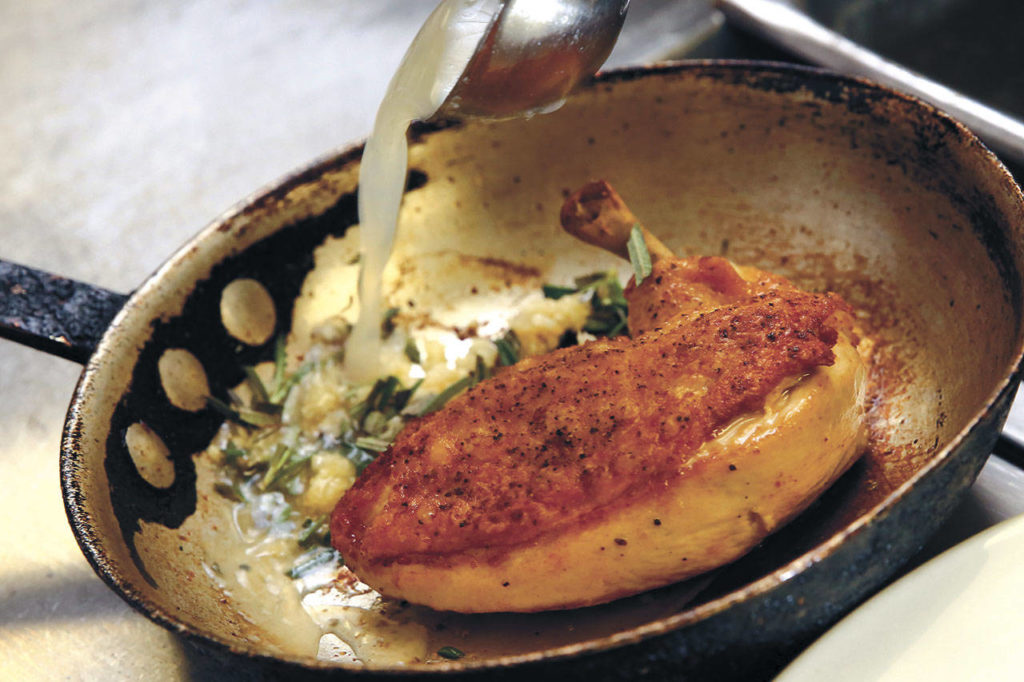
x=428, y=73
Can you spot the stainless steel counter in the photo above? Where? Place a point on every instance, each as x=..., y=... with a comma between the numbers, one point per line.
x=127, y=126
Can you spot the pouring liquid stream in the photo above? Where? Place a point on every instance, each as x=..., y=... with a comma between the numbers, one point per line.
x=429, y=71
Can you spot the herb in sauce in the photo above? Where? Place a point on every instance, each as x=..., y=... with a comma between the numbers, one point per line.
x=451, y=653
x=509, y=348
x=609, y=308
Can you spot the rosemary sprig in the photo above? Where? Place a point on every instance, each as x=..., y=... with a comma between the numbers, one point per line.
x=284, y=466
x=386, y=396
x=639, y=256
x=314, y=532
x=412, y=352
x=280, y=362
x=360, y=458
x=451, y=653
x=243, y=416
x=285, y=385
x=259, y=391
x=233, y=453
x=387, y=323
x=372, y=443
x=313, y=559
x=231, y=491
x=509, y=348
x=479, y=373
x=556, y=292
x=609, y=308
x=447, y=394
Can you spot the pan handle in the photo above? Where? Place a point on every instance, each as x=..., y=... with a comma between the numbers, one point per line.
x=54, y=314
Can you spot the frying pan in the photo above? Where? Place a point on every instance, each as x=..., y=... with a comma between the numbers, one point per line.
x=831, y=181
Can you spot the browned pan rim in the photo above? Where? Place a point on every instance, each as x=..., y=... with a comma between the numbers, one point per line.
x=774, y=76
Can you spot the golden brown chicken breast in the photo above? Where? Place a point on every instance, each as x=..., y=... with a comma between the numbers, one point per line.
x=621, y=465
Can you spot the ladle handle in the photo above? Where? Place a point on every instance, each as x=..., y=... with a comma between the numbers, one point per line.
x=54, y=314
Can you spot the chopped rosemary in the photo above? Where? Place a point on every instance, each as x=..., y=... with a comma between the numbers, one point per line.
x=233, y=453
x=451, y=653
x=639, y=256
x=508, y=348
x=240, y=415
x=402, y=397
x=284, y=466
x=480, y=372
x=281, y=388
x=372, y=443
x=386, y=397
x=412, y=352
x=259, y=391
x=556, y=292
x=280, y=362
x=360, y=458
x=314, y=558
x=387, y=323
x=447, y=394
x=291, y=469
x=230, y=491
x=609, y=308
x=314, y=532
x=268, y=408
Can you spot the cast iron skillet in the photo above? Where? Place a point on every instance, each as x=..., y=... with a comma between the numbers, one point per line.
x=832, y=181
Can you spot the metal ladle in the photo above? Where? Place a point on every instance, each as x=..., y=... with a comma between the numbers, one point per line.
x=532, y=56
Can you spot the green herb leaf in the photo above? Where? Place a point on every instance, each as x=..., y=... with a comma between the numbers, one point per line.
x=612, y=294
x=447, y=394
x=280, y=362
x=451, y=653
x=286, y=463
x=251, y=417
x=481, y=371
x=509, y=348
x=387, y=323
x=285, y=385
x=412, y=352
x=402, y=397
x=593, y=279
x=372, y=443
x=360, y=458
x=259, y=391
x=230, y=491
x=313, y=532
x=639, y=256
x=313, y=559
x=233, y=453
x=556, y=292
x=225, y=410
x=386, y=397
x=272, y=409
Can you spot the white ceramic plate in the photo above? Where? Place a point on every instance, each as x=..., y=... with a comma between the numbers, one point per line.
x=958, y=617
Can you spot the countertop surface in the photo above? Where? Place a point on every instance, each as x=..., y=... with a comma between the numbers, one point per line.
x=128, y=125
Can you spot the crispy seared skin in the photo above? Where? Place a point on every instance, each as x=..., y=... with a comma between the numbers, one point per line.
x=556, y=442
